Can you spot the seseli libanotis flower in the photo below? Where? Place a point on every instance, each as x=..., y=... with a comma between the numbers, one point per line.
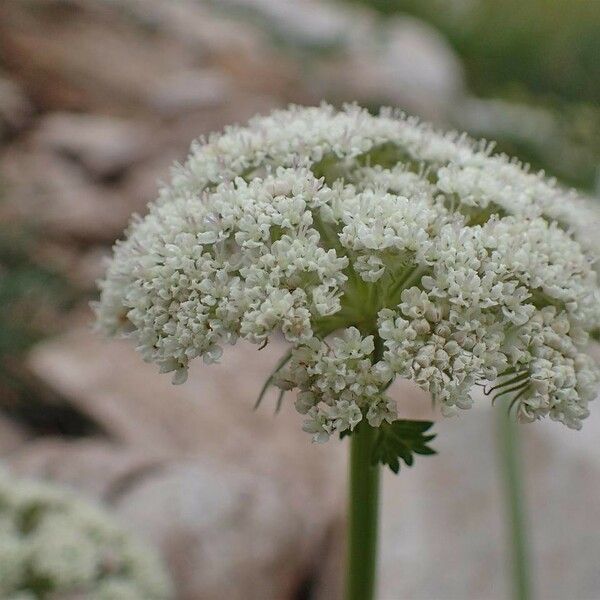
x=54, y=545
x=379, y=248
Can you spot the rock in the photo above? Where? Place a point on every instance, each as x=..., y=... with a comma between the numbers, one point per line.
x=402, y=61
x=493, y=118
x=169, y=58
x=104, y=146
x=328, y=584
x=231, y=533
x=139, y=407
x=97, y=467
x=441, y=528
x=82, y=268
x=190, y=90
x=224, y=530
x=443, y=532
x=304, y=23
x=405, y=63
x=198, y=27
x=423, y=73
x=241, y=502
x=115, y=63
x=15, y=108
x=52, y=193
x=127, y=50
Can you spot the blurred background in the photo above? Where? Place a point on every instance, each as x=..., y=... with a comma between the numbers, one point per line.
x=97, y=99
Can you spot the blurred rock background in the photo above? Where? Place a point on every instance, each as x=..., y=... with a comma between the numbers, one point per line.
x=97, y=99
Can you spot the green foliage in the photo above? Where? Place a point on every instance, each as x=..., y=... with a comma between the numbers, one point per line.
x=400, y=441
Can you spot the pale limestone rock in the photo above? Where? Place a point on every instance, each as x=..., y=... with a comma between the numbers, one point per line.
x=97, y=467
x=403, y=63
x=84, y=55
x=305, y=23
x=104, y=146
x=54, y=194
x=418, y=68
x=128, y=49
x=227, y=531
x=190, y=90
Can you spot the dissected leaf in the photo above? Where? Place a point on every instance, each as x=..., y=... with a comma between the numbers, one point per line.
x=401, y=440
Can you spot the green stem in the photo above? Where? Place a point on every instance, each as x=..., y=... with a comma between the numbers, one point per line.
x=362, y=516
x=508, y=446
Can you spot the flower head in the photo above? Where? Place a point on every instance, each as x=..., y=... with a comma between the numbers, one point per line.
x=379, y=248
x=52, y=544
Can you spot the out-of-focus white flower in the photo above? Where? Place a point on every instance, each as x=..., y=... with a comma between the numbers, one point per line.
x=439, y=261
x=52, y=544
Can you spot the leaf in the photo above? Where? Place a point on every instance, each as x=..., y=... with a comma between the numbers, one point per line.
x=282, y=362
x=401, y=440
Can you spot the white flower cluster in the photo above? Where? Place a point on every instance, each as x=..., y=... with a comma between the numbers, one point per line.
x=338, y=383
x=54, y=545
x=439, y=261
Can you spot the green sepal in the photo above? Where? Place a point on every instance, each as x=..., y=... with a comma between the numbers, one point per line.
x=401, y=440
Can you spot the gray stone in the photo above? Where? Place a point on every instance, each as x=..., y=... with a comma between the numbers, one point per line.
x=52, y=193
x=418, y=68
x=228, y=532
x=404, y=63
x=443, y=529
x=190, y=90
x=97, y=467
x=105, y=146
x=307, y=23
